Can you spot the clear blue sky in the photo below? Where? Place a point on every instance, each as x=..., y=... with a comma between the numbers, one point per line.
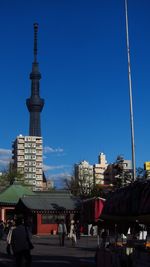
x=83, y=62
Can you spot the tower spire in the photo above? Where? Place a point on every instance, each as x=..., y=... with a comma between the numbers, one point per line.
x=35, y=41
x=35, y=103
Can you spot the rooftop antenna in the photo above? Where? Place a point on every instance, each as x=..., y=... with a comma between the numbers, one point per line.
x=130, y=95
x=35, y=41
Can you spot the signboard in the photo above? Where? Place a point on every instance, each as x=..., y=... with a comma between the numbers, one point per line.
x=147, y=166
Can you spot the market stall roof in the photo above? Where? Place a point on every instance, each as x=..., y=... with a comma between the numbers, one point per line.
x=49, y=203
x=129, y=203
x=91, y=209
x=10, y=196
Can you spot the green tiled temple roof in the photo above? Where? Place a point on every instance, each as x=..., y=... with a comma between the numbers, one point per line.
x=13, y=193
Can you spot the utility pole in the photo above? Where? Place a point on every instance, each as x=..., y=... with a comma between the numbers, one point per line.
x=130, y=95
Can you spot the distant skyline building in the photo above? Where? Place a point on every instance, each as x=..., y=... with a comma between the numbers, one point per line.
x=84, y=176
x=111, y=173
x=35, y=103
x=101, y=174
x=89, y=175
x=99, y=169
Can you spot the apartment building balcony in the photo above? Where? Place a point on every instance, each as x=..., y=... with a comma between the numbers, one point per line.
x=39, y=146
x=39, y=177
x=39, y=165
x=39, y=158
x=20, y=141
x=29, y=176
x=39, y=184
x=30, y=151
x=39, y=141
x=39, y=171
x=30, y=145
x=20, y=146
x=20, y=164
x=20, y=158
x=39, y=153
x=20, y=152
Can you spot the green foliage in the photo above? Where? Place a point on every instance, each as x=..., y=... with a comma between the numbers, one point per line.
x=72, y=185
x=98, y=192
x=122, y=176
x=141, y=173
x=10, y=176
x=77, y=188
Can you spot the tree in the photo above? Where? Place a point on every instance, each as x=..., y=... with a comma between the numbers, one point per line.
x=141, y=173
x=122, y=175
x=78, y=188
x=98, y=192
x=9, y=176
x=72, y=185
x=85, y=183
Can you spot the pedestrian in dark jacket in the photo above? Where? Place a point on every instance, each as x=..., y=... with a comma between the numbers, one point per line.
x=20, y=243
x=1, y=229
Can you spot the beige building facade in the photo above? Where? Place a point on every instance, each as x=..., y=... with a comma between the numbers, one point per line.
x=99, y=169
x=84, y=176
x=28, y=160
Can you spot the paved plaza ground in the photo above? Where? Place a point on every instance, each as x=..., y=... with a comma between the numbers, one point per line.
x=47, y=252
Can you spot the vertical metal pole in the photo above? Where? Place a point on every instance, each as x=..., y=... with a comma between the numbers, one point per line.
x=130, y=94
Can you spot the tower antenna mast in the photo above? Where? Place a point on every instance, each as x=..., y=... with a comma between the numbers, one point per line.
x=35, y=41
x=130, y=95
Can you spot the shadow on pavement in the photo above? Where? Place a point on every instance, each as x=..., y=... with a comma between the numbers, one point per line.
x=60, y=261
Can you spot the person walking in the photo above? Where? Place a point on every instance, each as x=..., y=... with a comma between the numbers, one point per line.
x=1, y=229
x=8, y=239
x=62, y=232
x=72, y=233
x=21, y=244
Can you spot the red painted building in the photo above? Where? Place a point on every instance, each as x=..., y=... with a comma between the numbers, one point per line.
x=9, y=198
x=44, y=210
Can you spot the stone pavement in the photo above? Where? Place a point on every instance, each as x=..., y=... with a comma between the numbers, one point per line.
x=47, y=252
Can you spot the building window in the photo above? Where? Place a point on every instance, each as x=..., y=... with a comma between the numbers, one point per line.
x=48, y=219
x=51, y=219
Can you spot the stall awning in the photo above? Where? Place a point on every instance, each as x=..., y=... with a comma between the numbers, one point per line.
x=92, y=209
x=129, y=203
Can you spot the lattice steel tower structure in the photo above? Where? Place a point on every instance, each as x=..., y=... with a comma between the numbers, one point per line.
x=35, y=103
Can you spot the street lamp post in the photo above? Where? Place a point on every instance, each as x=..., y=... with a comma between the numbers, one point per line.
x=130, y=95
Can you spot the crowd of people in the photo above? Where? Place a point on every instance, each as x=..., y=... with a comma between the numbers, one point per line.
x=18, y=239
x=5, y=227
x=17, y=234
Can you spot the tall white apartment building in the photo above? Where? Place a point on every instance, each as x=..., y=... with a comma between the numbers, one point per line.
x=28, y=160
x=84, y=176
x=99, y=169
